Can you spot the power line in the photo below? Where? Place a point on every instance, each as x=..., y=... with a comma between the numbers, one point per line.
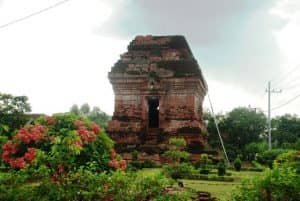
x=283, y=77
x=286, y=103
x=34, y=14
x=292, y=86
x=292, y=81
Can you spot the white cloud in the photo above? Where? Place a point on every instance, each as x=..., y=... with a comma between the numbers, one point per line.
x=289, y=43
x=288, y=37
x=58, y=58
x=55, y=58
x=227, y=97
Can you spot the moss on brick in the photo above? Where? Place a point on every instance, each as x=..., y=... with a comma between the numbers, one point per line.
x=181, y=68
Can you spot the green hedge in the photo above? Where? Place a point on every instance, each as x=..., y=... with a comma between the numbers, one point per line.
x=253, y=169
x=210, y=177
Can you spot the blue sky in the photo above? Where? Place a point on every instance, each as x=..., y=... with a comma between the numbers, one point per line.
x=62, y=56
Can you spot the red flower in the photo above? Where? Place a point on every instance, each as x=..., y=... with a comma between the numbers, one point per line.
x=122, y=165
x=77, y=143
x=83, y=131
x=31, y=133
x=79, y=123
x=50, y=120
x=30, y=154
x=10, y=147
x=6, y=156
x=54, y=177
x=85, y=135
x=61, y=169
x=94, y=127
x=17, y=163
x=118, y=164
x=23, y=135
x=114, y=163
x=91, y=137
x=112, y=153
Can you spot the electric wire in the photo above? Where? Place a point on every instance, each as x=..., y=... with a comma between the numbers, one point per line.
x=284, y=76
x=286, y=103
x=292, y=86
x=34, y=14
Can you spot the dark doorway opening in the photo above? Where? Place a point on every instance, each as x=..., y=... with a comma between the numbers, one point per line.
x=153, y=114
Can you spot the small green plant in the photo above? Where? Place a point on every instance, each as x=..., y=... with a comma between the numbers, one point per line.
x=237, y=163
x=179, y=170
x=176, y=154
x=297, y=144
x=176, y=151
x=280, y=183
x=134, y=155
x=221, y=168
x=149, y=164
x=204, y=164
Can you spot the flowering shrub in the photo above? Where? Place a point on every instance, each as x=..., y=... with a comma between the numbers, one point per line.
x=280, y=183
x=115, y=163
x=84, y=185
x=65, y=157
x=63, y=143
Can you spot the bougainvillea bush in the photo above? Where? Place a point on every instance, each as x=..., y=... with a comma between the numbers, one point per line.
x=63, y=143
x=66, y=157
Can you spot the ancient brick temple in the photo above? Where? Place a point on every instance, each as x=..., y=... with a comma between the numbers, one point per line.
x=159, y=91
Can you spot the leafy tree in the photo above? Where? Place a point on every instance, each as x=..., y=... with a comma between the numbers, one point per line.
x=85, y=109
x=213, y=138
x=75, y=109
x=243, y=126
x=267, y=157
x=286, y=129
x=12, y=112
x=99, y=117
x=239, y=127
x=254, y=148
x=96, y=114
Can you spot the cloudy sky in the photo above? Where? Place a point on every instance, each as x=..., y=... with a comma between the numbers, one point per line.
x=61, y=56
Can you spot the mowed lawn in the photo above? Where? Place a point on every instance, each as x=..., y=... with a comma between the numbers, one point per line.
x=218, y=189
x=221, y=190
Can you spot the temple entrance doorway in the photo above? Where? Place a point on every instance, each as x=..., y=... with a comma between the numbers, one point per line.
x=153, y=113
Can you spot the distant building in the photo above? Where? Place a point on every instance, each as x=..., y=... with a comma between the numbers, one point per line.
x=159, y=91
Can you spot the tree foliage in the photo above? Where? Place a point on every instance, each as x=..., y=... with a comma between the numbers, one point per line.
x=239, y=127
x=62, y=142
x=254, y=148
x=286, y=129
x=96, y=114
x=176, y=150
x=281, y=183
x=12, y=112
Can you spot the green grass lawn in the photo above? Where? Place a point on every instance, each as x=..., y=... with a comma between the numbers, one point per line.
x=218, y=189
x=150, y=171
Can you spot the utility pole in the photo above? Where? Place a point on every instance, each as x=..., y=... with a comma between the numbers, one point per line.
x=269, y=112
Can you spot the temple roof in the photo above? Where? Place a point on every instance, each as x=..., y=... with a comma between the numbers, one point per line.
x=167, y=52
x=150, y=43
